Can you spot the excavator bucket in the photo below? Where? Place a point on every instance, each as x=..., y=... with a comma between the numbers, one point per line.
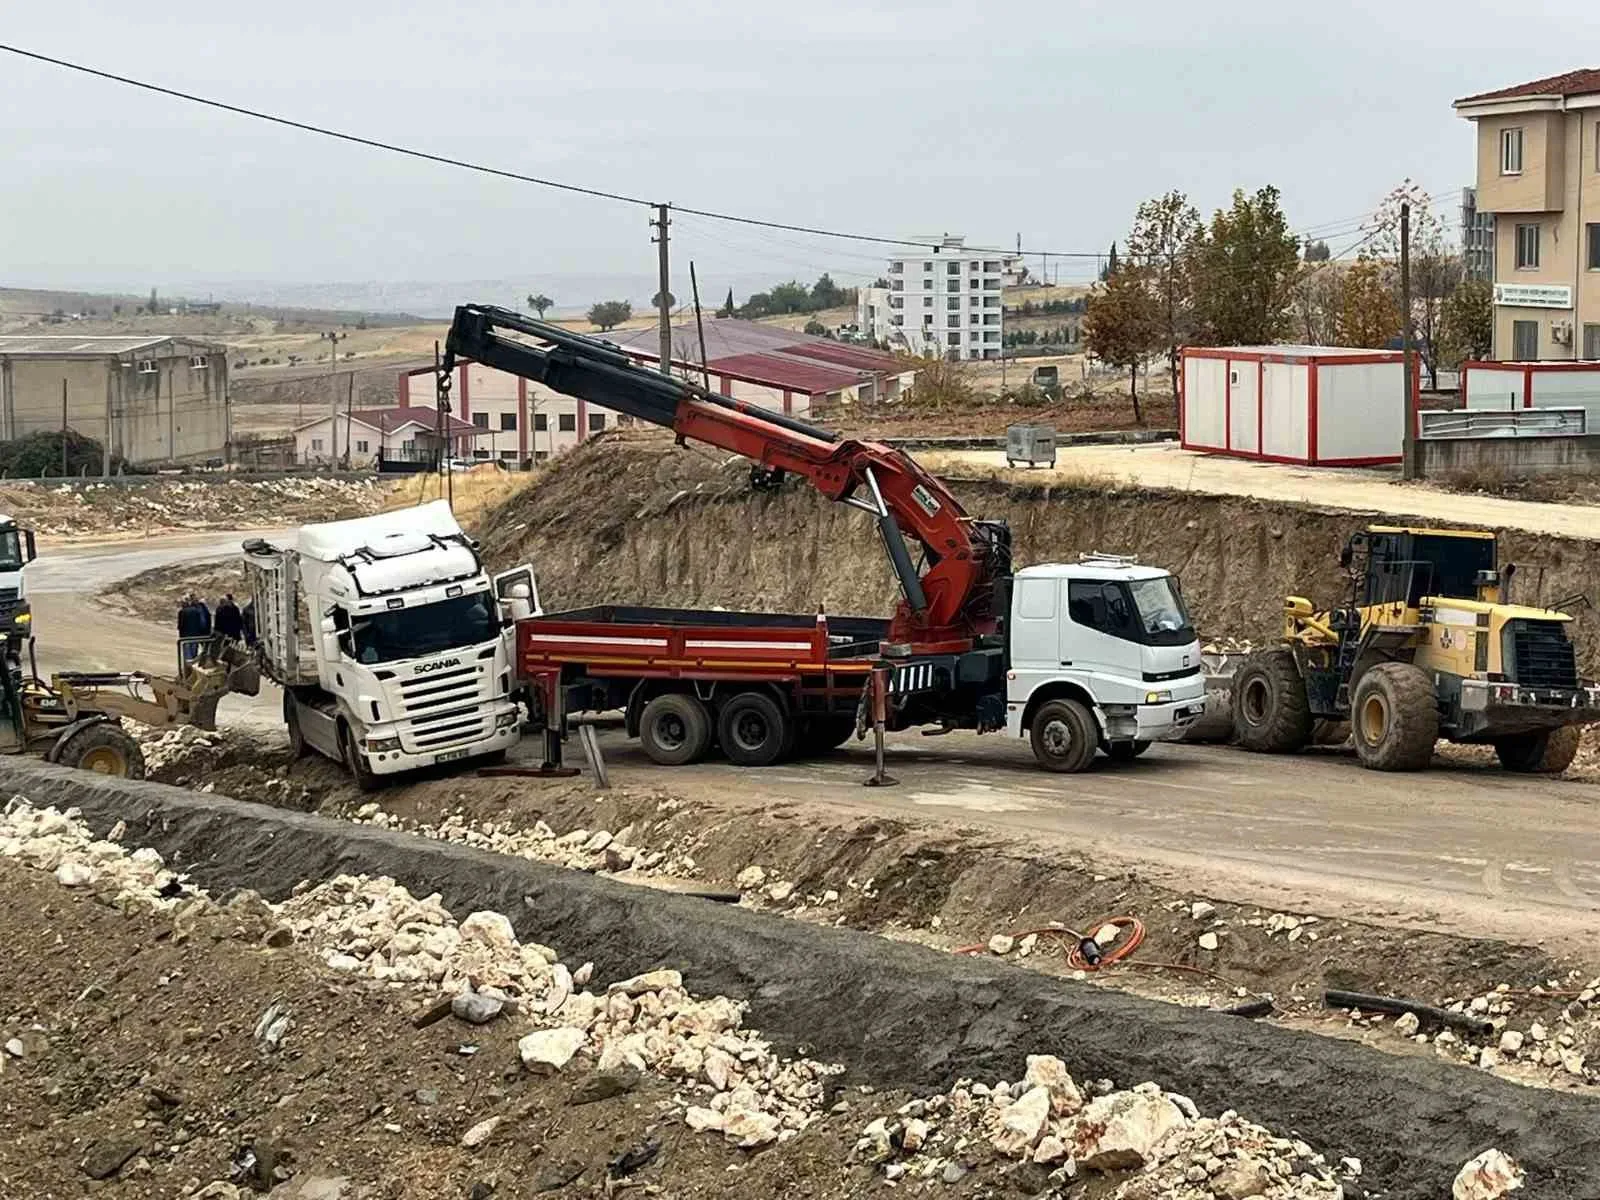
x=1216, y=723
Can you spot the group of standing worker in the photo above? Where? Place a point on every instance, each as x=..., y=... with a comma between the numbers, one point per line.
x=196, y=619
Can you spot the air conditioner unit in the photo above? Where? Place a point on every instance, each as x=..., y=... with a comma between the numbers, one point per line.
x=1561, y=333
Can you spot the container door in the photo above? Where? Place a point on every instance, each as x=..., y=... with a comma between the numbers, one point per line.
x=1244, y=406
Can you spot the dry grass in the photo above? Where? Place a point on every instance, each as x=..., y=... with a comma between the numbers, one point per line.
x=1491, y=479
x=955, y=468
x=472, y=493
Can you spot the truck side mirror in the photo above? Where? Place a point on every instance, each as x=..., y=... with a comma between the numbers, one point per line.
x=31, y=552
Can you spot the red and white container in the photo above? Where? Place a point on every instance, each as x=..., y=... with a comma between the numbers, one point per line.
x=1315, y=405
x=1504, y=386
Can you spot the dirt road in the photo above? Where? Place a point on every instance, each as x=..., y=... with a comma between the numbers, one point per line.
x=1165, y=465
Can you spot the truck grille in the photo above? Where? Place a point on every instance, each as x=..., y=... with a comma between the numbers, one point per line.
x=1542, y=655
x=443, y=710
x=9, y=595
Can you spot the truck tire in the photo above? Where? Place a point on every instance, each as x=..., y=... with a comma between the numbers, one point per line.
x=1549, y=752
x=1271, y=713
x=365, y=780
x=105, y=748
x=1126, y=751
x=675, y=729
x=291, y=725
x=822, y=734
x=754, y=730
x=1394, y=718
x=1064, y=736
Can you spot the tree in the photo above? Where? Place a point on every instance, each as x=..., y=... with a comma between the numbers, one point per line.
x=150, y=307
x=791, y=297
x=1244, y=272
x=1318, y=252
x=1123, y=325
x=816, y=328
x=1468, y=322
x=610, y=313
x=539, y=303
x=655, y=301
x=1166, y=231
x=1317, y=297
x=1369, y=318
x=1436, y=270
x=727, y=306
x=826, y=294
x=881, y=281
x=1110, y=269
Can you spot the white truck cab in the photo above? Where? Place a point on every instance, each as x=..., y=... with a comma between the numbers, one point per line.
x=1103, y=656
x=16, y=552
x=392, y=644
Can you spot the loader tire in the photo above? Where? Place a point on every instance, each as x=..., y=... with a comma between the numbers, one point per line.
x=1548, y=752
x=105, y=748
x=675, y=729
x=1394, y=718
x=1064, y=736
x=1271, y=713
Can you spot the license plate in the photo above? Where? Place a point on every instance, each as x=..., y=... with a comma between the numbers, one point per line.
x=449, y=756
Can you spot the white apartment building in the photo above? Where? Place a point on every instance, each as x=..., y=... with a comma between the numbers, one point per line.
x=944, y=300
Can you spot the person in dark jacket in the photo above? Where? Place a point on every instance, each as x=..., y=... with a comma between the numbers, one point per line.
x=189, y=623
x=247, y=616
x=203, y=611
x=229, y=620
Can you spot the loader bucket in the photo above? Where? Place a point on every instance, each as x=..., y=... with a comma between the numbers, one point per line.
x=1216, y=725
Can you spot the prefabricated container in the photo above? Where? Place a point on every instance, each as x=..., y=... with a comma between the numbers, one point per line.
x=1511, y=385
x=1316, y=405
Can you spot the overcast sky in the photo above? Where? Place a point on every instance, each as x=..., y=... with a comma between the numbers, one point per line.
x=1052, y=120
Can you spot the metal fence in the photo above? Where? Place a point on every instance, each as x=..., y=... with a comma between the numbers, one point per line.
x=1521, y=422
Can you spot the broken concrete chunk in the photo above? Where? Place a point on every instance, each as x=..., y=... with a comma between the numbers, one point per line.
x=748, y=1128
x=750, y=878
x=1001, y=943
x=546, y=1051
x=650, y=981
x=1511, y=1041
x=475, y=1008
x=1407, y=1024
x=74, y=874
x=1209, y=941
x=1124, y=1131
x=1022, y=1123
x=913, y=1135
x=1201, y=909
x=703, y=1119
x=479, y=1133
x=1050, y=1149
x=1488, y=1177
x=1049, y=1072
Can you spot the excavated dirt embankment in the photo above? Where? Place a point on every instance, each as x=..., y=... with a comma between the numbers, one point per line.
x=899, y=1015
x=634, y=520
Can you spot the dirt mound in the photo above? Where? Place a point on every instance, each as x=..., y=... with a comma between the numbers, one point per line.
x=154, y=595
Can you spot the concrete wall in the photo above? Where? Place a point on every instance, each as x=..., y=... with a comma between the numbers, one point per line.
x=1514, y=455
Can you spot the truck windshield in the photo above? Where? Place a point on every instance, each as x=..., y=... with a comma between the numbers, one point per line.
x=1160, y=607
x=10, y=550
x=426, y=629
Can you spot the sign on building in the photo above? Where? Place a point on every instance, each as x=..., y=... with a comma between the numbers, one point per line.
x=1533, y=295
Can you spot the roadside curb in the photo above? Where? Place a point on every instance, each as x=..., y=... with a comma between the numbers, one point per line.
x=1107, y=437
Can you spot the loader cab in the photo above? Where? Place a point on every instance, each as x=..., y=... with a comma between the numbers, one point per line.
x=1401, y=565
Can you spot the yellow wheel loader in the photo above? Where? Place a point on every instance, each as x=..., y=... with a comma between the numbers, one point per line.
x=1428, y=647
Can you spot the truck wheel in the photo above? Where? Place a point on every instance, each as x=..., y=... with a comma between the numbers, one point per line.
x=1549, y=752
x=1271, y=713
x=105, y=748
x=291, y=724
x=365, y=780
x=822, y=734
x=675, y=729
x=754, y=730
x=1064, y=736
x=1126, y=751
x=1394, y=718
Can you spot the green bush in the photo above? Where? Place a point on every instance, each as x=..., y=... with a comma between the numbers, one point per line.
x=39, y=454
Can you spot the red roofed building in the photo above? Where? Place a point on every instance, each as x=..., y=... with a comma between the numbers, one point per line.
x=1539, y=173
x=405, y=432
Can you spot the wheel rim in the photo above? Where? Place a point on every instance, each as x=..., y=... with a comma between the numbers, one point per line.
x=1057, y=739
x=1254, y=701
x=750, y=731
x=1374, y=719
x=106, y=760
x=671, y=732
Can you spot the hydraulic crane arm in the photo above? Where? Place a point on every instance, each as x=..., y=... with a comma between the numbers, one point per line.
x=948, y=605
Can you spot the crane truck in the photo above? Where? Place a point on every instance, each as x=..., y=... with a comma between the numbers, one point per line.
x=391, y=642
x=1098, y=654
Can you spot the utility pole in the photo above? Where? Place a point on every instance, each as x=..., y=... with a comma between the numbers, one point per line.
x=63, y=428
x=333, y=338
x=1408, y=434
x=349, y=416
x=663, y=306
x=694, y=284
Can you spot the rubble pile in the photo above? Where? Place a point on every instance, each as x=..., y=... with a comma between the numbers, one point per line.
x=186, y=503
x=49, y=840
x=168, y=749
x=1047, y=1120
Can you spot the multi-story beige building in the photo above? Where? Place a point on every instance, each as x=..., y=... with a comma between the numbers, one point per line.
x=1539, y=173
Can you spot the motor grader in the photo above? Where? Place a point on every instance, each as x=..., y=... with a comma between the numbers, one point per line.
x=1429, y=646
x=75, y=719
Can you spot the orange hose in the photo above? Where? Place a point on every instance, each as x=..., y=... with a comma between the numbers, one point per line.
x=1073, y=953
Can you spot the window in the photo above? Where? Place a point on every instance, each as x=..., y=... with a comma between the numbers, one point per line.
x=897, y=285
x=1142, y=610
x=897, y=302
x=927, y=318
x=990, y=266
x=955, y=337
x=927, y=302
x=1525, y=341
x=1594, y=247
x=1591, y=341
x=975, y=283
x=897, y=319
x=927, y=266
x=409, y=446
x=480, y=420
x=198, y=362
x=508, y=422
x=1036, y=599
x=567, y=422
x=540, y=455
x=482, y=454
x=597, y=422
x=1527, y=247
x=1511, y=152
x=953, y=304
x=361, y=447
x=425, y=629
x=316, y=444
x=953, y=269
x=147, y=366
x=540, y=422
x=508, y=455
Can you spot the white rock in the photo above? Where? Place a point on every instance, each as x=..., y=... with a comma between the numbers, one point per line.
x=1125, y=1130
x=1107, y=934
x=1022, y=1123
x=1511, y=1041
x=1572, y=1062
x=1050, y=1073
x=583, y=974
x=1026, y=945
x=1201, y=909
x=750, y=878
x=702, y=1119
x=650, y=981
x=1488, y=1058
x=720, y=1068
x=548, y=1050
x=748, y=1128
x=475, y=1008
x=1001, y=943
x=15, y=1048
x=74, y=874
x=1050, y=1149
x=779, y=892
x=1538, y=1032
x=559, y=990
x=479, y=1133
x=1488, y=1177
x=913, y=1135
x=1406, y=1024
x=1209, y=941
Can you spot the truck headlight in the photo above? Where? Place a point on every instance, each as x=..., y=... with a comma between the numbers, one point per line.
x=382, y=745
x=1158, y=697
x=506, y=719
x=25, y=618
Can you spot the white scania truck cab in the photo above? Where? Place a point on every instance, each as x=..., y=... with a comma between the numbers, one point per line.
x=393, y=646
x=1103, y=657
x=16, y=552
